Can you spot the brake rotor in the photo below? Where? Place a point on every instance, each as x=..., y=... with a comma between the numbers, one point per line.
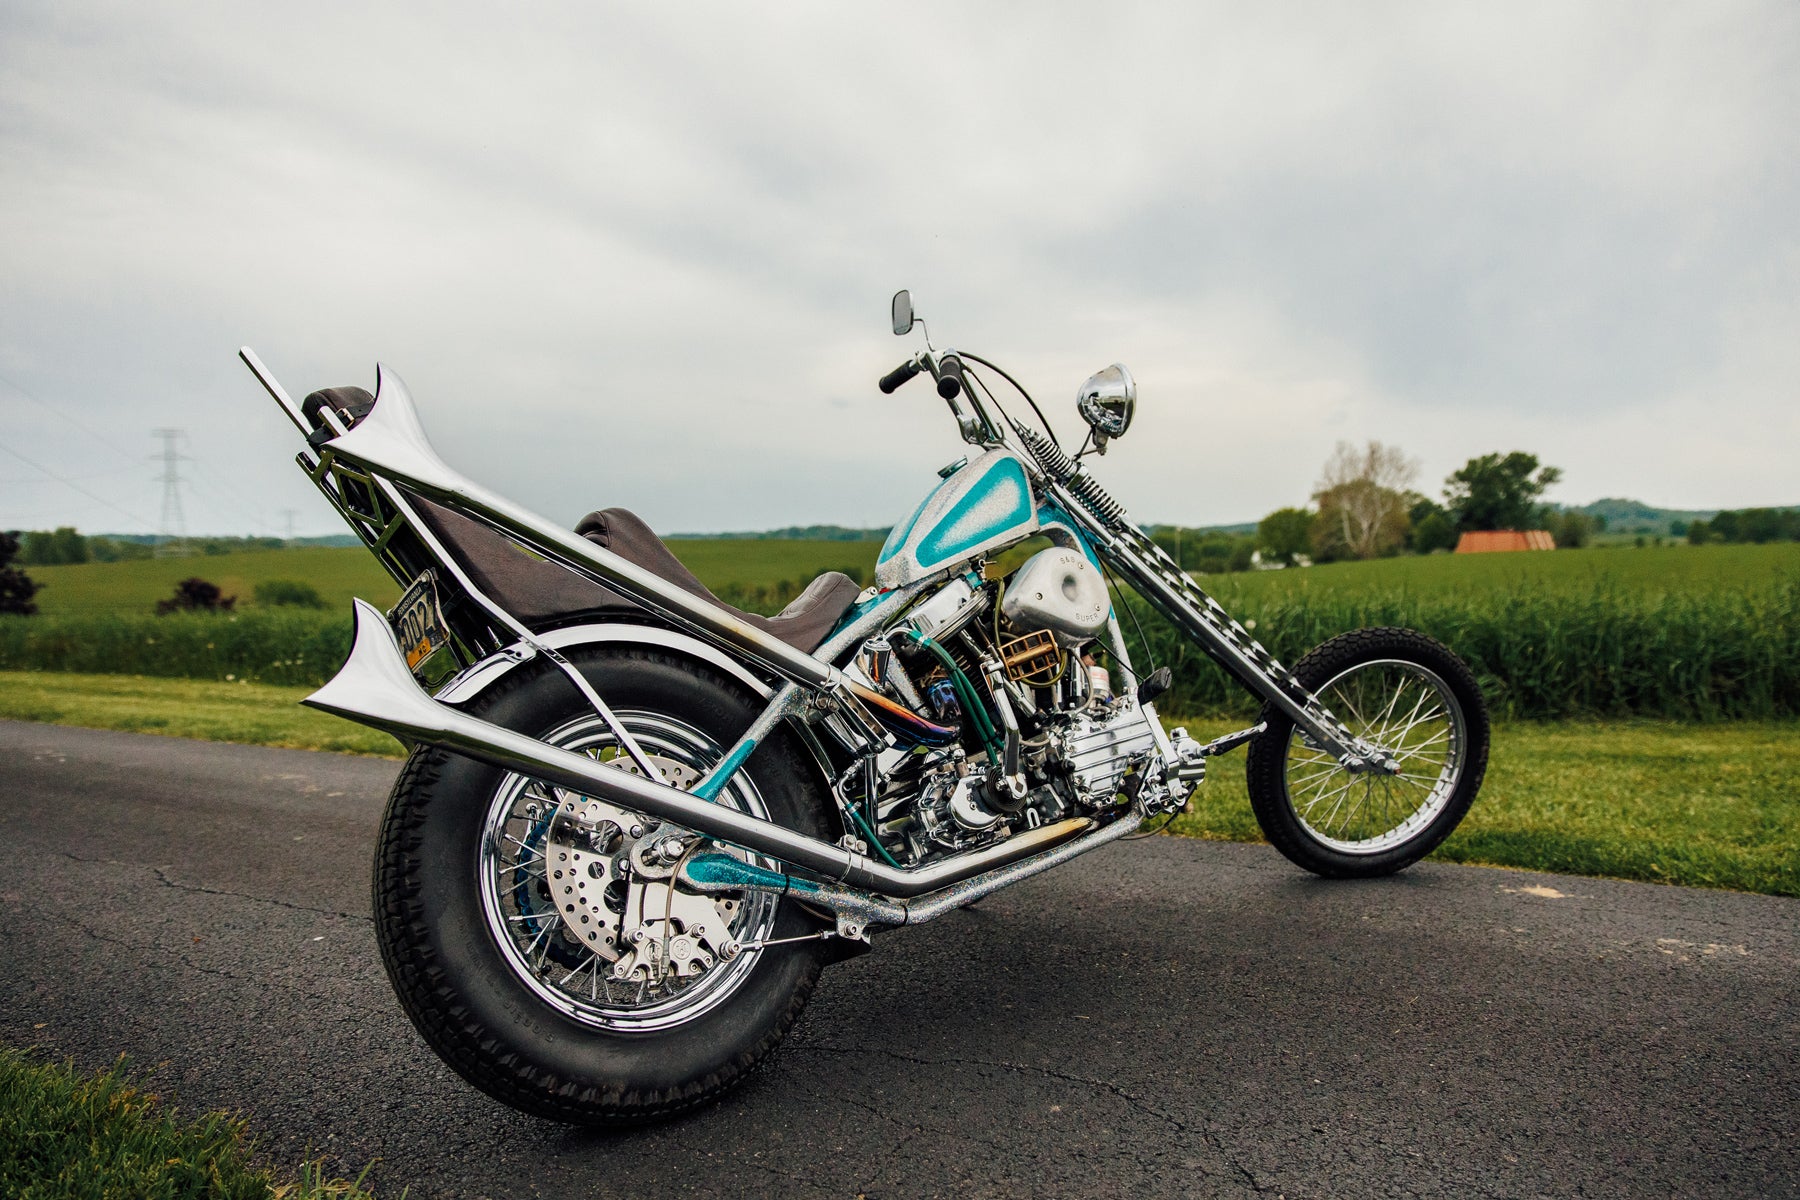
x=609, y=871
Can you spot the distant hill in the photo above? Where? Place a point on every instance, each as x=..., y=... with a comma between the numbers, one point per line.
x=797, y=533
x=151, y=539
x=1634, y=516
x=1242, y=529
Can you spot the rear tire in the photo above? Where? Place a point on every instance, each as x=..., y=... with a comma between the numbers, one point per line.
x=1406, y=693
x=474, y=948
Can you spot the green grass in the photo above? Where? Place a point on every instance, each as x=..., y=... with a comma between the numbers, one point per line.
x=134, y=587
x=1680, y=632
x=250, y=713
x=1665, y=802
x=69, y=1136
x=1661, y=570
x=338, y=573
x=1700, y=805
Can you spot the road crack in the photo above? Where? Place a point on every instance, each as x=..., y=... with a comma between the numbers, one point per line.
x=163, y=878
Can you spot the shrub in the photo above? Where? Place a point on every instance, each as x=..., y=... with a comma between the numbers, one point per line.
x=195, y=595
x=16, y=587
x=291, y=593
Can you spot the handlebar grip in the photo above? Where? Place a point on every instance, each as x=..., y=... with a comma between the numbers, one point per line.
x=949, y=379
x=899, y=375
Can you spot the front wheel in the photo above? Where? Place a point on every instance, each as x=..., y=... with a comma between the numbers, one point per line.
x=1405, y=693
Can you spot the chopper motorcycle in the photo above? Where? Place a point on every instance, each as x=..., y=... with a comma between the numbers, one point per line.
x=636, y=823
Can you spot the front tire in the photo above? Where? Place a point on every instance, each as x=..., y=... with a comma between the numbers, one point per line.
x=1411, y=696
x=532, y=1014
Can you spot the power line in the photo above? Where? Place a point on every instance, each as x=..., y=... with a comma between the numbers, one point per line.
x=132, y=517
x=57, y=412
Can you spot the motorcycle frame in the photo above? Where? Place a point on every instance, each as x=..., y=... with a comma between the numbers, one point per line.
x=371, y=471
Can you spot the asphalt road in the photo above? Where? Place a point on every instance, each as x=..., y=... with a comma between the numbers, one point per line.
x=1168, y=1018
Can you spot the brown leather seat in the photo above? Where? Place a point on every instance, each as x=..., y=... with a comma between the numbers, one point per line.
x=542, y=593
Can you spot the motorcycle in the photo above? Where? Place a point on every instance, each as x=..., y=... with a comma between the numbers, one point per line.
x=636, y=823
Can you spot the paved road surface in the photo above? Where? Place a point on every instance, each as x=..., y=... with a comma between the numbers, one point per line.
x=1165, y=1019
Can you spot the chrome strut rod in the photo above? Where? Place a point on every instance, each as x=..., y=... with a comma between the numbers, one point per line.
x=374, y=687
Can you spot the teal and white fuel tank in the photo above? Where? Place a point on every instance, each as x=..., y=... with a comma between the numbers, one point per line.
x=981, y=506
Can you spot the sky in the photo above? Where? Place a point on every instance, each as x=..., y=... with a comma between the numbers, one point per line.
x=642, y=254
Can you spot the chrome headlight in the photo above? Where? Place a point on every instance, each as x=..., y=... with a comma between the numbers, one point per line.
x=1107, y=401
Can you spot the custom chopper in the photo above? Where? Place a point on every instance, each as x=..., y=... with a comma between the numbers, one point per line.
x=636, y=823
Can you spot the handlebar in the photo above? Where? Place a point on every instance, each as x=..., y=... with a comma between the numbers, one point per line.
x=899, y=375
x=949, y=376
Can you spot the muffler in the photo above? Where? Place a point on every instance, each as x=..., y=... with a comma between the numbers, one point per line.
x=375, y=688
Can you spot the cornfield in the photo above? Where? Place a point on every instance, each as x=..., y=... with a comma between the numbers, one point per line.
x=1546, y=645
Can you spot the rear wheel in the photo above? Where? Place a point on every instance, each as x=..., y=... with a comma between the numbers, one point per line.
x=1405, y=693
x=534, y=935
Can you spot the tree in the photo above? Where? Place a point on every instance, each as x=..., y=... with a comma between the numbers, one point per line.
x=1432, y=529
x=1571, y=529
x=16, y=587
x=1362, y=501
x=1498, y=492
x=1285, y=534
x=54, y=549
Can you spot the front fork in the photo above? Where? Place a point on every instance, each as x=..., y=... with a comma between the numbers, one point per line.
x=1174, y=594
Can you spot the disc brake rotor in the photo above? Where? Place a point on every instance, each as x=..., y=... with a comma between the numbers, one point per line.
x=610, y=874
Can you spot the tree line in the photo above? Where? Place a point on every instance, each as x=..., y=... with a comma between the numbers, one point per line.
x=1758, y=525
x=1364, y=506
x=65, y=545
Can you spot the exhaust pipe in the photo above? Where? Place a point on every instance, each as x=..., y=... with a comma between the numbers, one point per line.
x=375, y=688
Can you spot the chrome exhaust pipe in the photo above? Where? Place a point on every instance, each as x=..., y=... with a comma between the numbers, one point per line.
x=375, y=688
x=721, y=874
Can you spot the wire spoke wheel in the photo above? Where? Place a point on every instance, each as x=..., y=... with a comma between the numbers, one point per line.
x=547, y=956
x=1406, y=710
x=536, y=937
x=1417, y=702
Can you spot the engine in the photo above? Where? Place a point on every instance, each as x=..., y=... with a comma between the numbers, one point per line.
x=1019, y=725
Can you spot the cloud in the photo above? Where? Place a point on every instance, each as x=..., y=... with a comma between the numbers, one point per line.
x=641, y=256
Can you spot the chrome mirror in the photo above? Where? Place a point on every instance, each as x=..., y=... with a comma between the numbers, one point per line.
x=1107, y=402
x=903, y=313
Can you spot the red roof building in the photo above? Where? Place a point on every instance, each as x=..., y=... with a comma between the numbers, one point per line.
x=1489, y=541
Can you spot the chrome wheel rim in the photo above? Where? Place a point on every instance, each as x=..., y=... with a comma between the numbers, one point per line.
x=521, y=917
x=1408, y=711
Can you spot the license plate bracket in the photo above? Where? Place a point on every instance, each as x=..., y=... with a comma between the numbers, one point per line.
x=418, y=621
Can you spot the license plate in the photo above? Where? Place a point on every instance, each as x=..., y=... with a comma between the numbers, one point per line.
x=419, y=622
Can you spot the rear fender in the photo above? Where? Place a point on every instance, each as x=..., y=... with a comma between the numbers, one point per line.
x=492, y=669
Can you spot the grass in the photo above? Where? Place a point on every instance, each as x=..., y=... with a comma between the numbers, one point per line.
x=1663, y=802
x=69, y=1136
x=1659, y=570
x=339, y=573
x=1699, y=805
x=249, y=713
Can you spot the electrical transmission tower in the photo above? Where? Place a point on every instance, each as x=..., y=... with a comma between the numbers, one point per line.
x=290, y=514
x=174, y=525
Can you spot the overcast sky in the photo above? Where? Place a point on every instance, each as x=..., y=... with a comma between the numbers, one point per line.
x=641, y=254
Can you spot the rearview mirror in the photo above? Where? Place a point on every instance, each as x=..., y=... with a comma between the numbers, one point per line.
x=903, y=313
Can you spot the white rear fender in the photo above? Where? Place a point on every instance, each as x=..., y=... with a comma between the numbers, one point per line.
x=490, y=670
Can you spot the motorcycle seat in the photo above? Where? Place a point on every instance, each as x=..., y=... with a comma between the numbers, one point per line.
x=542, y=594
